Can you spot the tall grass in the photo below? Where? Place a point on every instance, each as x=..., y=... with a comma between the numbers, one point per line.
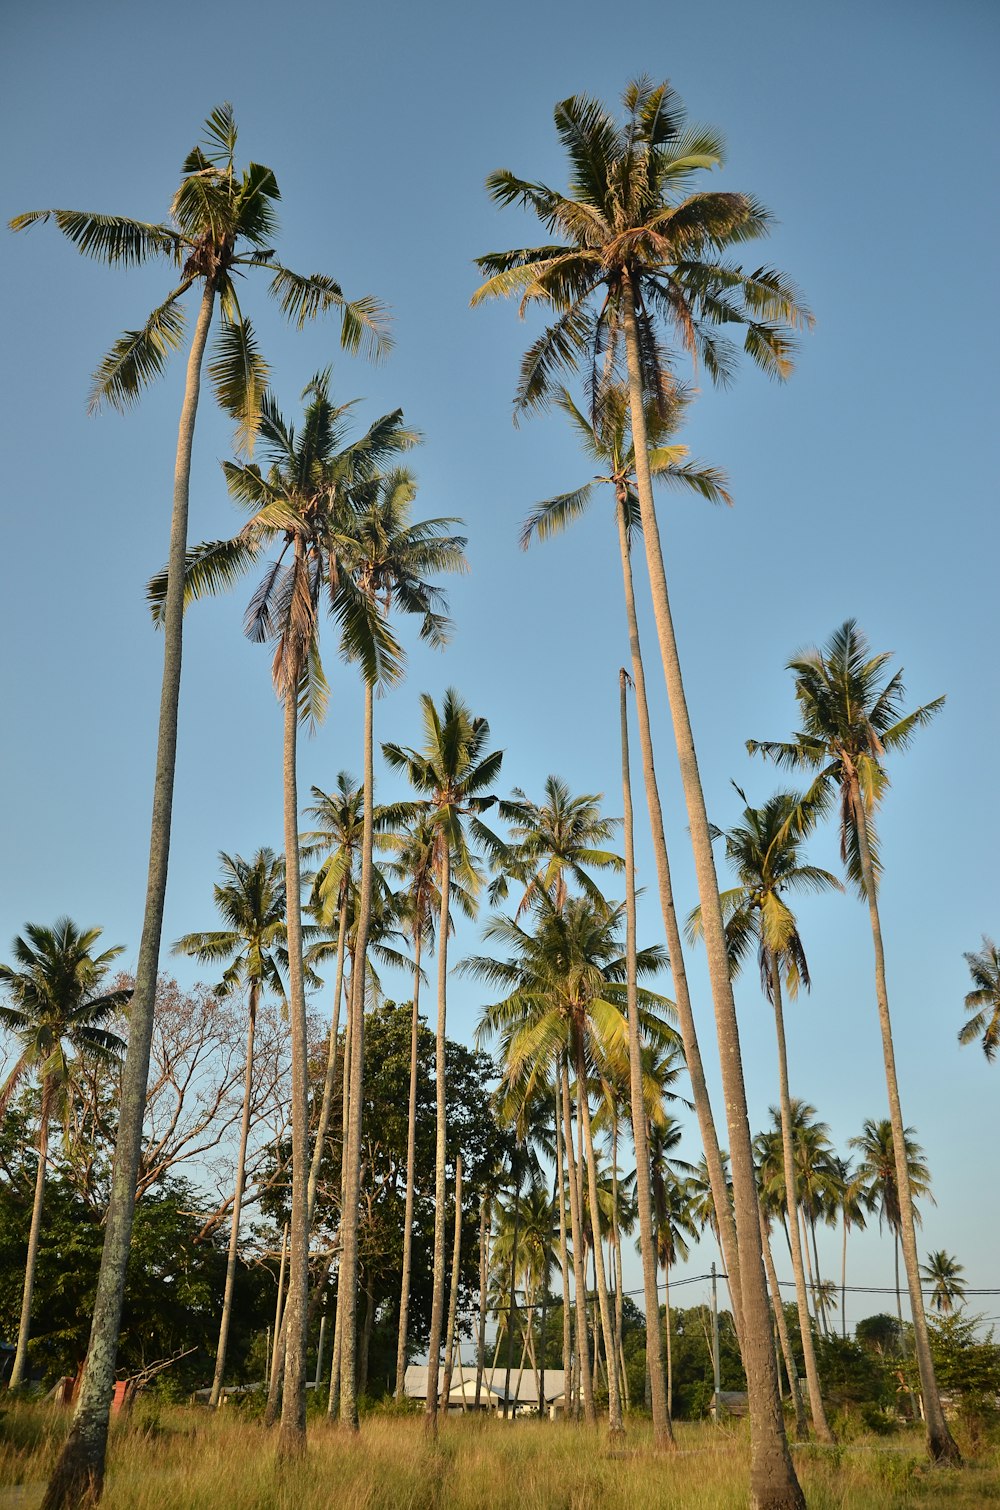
x=186, y=1459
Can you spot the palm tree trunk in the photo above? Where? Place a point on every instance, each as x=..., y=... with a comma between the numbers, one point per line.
x=670, y=1355
x=333, y=1402
x=940, y=1443
x=411, y=1158
x=21, y=1355
x=567, y=1348
x=615, y=1423
x=366, y=1337
x=843, y=1286
x=292, y=1434
x=820, y=1292
x=456, y=1264
x=685, y=1014
x=662, y=1433
x=579, y=1276
x=484, y=1280
x=348, y=1285
x=791, y=1369
x=512, y=1291
x=440, y=1148
x=816, y=1407
x=330, y=1080
x=79, y=1469
x=234, y=1234
x=773, y=1483
x=276, y=1353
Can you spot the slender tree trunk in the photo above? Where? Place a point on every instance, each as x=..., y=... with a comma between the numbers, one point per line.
x=234, y=1234
x=330, y=1079
x=820, y=1292
x=349, y=1219
x=456, y=1264
x=940, y=1443
x=440, y=1149
x=292, y=1435
x=615, y=1422
x=79, y=1469
x=20, y=1367
x=411, y=1158
x=843, y=1286
x=366, y=1337
x=279, y=1308
x=816, y=1407
x=773, y=1484
x=662, y=1431
x=670, y=1353
x=579, y=1276
x=333, y=1402
x=512, y=1292
x=615, y=1267
x=685, y=1014
x=484, y=1281
x=791, y=1369
x=567, y=1348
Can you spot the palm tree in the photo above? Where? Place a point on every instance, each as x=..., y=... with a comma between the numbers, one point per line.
x=414, y=865
x=984, y=1000
x=652, y=254
x=852, y=715
x=942, y=1271
x=548, y=841
x=877, y=1175
x=251, y=899
x=852, y=1214
x=564, y=1005
x=673, y=1215
x=222, y=223
x=57, y=1014
x=455, y=770
x=386, y=559
x=765, y=853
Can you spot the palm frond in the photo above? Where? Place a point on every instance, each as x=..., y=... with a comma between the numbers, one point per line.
x=139, y=356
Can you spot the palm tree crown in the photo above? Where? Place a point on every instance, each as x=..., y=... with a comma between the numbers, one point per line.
x=251, y=900
x=983, y=1001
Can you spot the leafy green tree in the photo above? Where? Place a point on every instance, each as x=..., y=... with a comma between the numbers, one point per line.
x=454, y=771
x=651, y=255
x=57, y=1012
x=222, y=224
x=852, y=716
x=251, y=899
x=983, y=1001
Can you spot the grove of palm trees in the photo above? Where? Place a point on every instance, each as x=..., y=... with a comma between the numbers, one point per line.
x=530, y=1110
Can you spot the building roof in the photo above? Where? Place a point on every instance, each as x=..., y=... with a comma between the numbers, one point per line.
x=523, y=1385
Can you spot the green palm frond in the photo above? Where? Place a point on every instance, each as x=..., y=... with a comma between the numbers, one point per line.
x=114, y=239
x=139, y=356
x=239, y=375
x=363, y=322
x=209, y=569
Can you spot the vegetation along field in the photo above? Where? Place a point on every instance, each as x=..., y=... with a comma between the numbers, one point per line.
x=462, y=1130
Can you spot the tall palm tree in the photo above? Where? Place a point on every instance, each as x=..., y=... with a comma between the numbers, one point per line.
x=302, y=503
x=414, y=866
x=562, y=836
x=764, y=851
x=943, y=1272
x=58, y=1014
x=222, y=224
x=852, y=716
x=386, y=561
x=877, y=1174
x=251, y=899
x=454, y=770
x=564, y=1004
x=983, y=1001
x=651, y=254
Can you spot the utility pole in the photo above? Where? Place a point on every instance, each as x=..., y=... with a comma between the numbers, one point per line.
x=715, y=1341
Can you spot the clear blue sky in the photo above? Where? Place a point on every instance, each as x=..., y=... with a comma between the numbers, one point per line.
x=864, y=487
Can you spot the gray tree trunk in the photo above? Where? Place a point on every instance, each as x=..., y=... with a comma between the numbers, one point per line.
x=685, y=1014
x=411, y=1158
x=941, y=1445
x=456, y=1263
x=816, y=1407
x=348, y=1282
x=79, y=1469
x=785, y=1341
x=615, y=1423
x=484, y=1279
x=569, y=1403
x=234, y=1232
x=579, y=1274
x=662, y=1432
x=330, y=1078
x=24, y=1329
x=773, y=1484
x=440, y=1148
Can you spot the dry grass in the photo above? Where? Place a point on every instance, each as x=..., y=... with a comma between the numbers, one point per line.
x=185, y=1459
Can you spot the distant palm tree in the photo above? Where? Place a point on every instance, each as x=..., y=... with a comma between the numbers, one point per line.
x=942, y=1270
x=562, y=836
x=674, y=1216
x=251, y=900
x=984, y=999
x=877, y=1178
x=454, y=771
x=222, y=225
x=852, y=716
x=57, y=1014
x=852, y=1214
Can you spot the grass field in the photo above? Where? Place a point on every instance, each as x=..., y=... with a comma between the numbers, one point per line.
x=182, y=1458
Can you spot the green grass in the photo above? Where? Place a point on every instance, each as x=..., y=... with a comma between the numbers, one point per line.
x=182, y=1458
